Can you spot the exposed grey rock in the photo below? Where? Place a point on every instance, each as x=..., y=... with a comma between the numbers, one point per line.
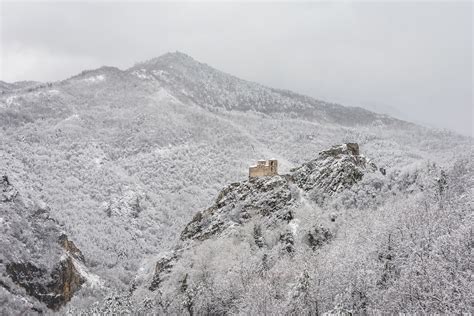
x=71, y=248
x=239, y=202
x=333, y=170
x=54, y=288
x=36, y=255
x=163, y=266
x=7, y=192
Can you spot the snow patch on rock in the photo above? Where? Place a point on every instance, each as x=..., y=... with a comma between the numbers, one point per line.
x=53, y=92
x=12, y=100
x=294, y=225
x=142, y=74
x=92, y=280
x=95, y=79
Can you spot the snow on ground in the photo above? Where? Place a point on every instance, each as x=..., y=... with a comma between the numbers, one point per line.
x=95, y=79
x=72, y=117
x=98, y=161
x=92, y=280
x=162, y=74
x=294, y=226
x=163, y=95
x=44, y=93
x=142, y=74
x=12, y=100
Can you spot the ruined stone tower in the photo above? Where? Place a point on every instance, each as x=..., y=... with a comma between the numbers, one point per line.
x=264, y=168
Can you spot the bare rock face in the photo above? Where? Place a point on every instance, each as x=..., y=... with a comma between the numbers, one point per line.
x=54, y=288
x=239, y=202
x=37, y=261
x=163, y=266
x=7, y=192
x=334, y=170
x=70, y=248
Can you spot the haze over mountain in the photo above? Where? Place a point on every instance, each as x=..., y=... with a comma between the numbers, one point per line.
x=124, y=160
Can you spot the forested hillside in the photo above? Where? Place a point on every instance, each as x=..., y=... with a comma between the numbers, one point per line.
x=124, y=160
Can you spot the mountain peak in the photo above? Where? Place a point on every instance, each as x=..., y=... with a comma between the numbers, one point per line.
x=168, y=58
x=176, y=55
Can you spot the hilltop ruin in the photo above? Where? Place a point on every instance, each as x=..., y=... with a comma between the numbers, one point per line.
x=264, y=168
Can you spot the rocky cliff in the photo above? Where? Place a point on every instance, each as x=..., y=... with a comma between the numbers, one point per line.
x=39, y=265
x=334, y=170
x=268, y=207
x=273, y=198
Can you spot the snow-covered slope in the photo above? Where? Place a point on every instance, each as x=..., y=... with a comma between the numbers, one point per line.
x=40, y=267
x=201, y=84
x=335, y=235
x=124, y=158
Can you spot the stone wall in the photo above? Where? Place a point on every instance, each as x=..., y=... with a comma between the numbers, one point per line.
x=264, y=168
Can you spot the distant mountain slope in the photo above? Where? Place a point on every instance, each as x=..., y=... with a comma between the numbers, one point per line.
x=6, y=87
x=192, y=81
x=211, y=88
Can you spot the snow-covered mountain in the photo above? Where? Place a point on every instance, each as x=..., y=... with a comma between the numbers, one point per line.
x=124, y=159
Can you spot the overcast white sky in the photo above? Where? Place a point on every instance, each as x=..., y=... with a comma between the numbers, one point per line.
x=409, y=59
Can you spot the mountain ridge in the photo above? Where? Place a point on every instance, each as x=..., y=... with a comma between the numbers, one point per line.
x=187, y=71
x=184, y=61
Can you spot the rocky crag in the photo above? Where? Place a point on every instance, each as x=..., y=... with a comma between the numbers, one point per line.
x=40, y=267
x=270, y=203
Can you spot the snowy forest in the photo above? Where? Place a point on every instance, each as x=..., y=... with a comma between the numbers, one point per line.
x=127, y=192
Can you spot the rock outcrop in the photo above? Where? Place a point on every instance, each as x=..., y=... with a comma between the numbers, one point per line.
x=37, y=259
x=163, y=266
x=7, y=192
x=53, y=287
x=268, y=204
x=268, y=197
x=334, y=170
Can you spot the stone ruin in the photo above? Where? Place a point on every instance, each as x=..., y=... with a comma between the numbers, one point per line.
x=264, y=168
